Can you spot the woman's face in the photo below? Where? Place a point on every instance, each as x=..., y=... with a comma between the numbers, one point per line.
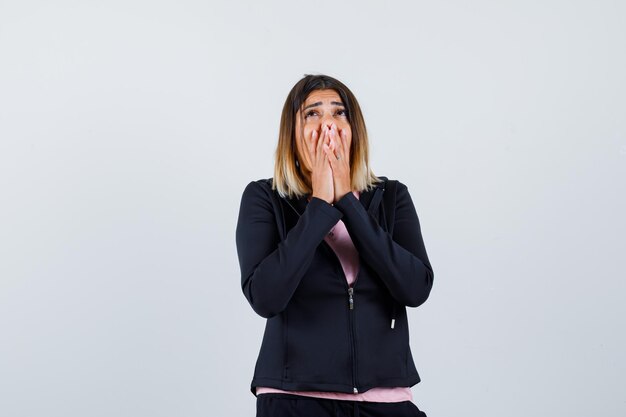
x=321, y=109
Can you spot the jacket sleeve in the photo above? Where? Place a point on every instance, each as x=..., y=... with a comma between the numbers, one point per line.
x=400, y=260
x=271, y=269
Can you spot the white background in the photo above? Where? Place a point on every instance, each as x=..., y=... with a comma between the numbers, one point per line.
x=129, y=129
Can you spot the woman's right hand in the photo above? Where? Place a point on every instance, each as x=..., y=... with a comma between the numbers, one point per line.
x=322, y=173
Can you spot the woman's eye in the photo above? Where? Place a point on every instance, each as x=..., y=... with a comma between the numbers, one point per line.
x=341, y=112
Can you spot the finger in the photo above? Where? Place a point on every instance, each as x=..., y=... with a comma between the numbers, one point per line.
x=319, y=150
x=337, y=146
x=330, y=156
x=344, y=142
x=338, y=139
x=333, y=139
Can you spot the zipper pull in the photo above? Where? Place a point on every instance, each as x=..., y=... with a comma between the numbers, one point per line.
x=354, y=390
x=351, y=300
x=393, y=323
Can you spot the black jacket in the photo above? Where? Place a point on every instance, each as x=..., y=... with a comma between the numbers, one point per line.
x=321, y=335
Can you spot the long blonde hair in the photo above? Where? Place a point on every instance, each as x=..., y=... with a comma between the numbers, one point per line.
x=288, y=178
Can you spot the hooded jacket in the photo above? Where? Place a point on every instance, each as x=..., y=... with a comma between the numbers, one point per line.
x=321, y=334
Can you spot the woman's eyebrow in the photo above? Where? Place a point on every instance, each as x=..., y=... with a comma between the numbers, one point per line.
x=337, y=103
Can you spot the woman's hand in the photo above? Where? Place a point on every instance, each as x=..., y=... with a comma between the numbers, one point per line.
x=322, y=174
x=338, y=154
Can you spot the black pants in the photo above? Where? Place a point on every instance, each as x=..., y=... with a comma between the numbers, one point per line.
x=287, y=405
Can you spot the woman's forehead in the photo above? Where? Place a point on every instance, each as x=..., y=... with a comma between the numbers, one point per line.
x=324, y=96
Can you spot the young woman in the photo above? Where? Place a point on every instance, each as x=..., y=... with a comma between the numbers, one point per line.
x=331, y=255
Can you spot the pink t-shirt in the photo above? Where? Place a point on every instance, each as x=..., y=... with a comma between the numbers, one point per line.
x=339, y=240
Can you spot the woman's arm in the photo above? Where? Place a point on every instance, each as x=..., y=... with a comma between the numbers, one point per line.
x=272, y=269
x=400, y=261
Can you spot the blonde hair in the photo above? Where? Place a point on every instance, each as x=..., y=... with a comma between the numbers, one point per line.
x=288, y=178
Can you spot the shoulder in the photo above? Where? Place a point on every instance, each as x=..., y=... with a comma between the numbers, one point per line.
x=392, y=183
x=396, y=193
x=259, y=184
x=258, y=190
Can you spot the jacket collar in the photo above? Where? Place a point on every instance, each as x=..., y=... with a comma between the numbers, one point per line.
x=366, y=198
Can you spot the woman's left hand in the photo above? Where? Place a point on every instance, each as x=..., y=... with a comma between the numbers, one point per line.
x=338, y=153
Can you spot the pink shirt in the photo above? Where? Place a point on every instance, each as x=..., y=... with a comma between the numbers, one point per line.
x=339, y=240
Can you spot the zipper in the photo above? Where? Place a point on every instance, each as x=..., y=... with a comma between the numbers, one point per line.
x=351, y=298
x=350, y=290
x=352, y=337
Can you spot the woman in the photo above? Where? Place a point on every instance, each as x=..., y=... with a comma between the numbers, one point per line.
x=331, y=255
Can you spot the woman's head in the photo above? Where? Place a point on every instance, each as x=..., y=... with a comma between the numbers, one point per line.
x=315, y=102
